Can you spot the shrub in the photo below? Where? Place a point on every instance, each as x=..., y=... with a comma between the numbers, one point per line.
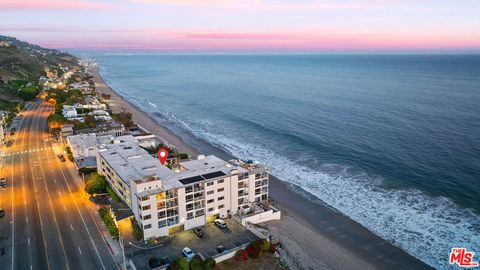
x=181, y=155
x=153, y=262
x=209, y=263
x=137, y=231
x=179, y=264
x=196, y=263
x=241, y=255
x=108, y=220
x=96, y=184
x=254, y=249
x=87, y=170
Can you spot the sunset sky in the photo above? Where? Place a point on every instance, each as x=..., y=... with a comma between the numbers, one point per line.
x=247, y=25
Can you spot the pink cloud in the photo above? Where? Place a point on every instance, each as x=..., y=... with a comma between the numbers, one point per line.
x=50, y=4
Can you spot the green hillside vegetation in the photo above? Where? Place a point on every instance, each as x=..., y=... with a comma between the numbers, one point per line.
x=22, y=63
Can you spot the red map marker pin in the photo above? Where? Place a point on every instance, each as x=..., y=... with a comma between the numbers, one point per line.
x=162, y=155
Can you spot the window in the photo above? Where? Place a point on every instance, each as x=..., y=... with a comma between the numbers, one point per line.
x=147, y=217
x=189, y=206
x=160, y=196
x=146, y=207
x=220, y=198
x=199, y=213
x=240, y=201
x=162, y=223
x=220, y=189
x=210, y=192
x=220, y=181
x=257, y=191
x=209, y=183
x=189, y=198
x=221, y=206
x=145, y=198
x=161, y=214
x=160, y=205
x=188, y=189
x=148, y=226
x=211, y=201
x=210, y=209
x=190, y=215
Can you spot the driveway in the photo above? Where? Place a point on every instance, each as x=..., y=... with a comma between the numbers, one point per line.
x=231, y=237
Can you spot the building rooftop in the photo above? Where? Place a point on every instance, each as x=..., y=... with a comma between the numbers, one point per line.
x=131, y=162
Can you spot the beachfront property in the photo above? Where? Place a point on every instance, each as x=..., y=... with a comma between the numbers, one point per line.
x=108, y=129
x=84, y=146
x=191, y=193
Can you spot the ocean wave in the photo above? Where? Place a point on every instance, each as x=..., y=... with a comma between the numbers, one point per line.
x=426, y=227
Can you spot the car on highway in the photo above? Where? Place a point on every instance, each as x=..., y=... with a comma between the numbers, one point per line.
x=3, y=182
x=198, y=232
x=188, y=253
x=220, y=223
x=61, y=157
x=2, y=212
x=9, y=143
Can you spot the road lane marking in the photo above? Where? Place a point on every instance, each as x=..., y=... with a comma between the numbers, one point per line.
x=26, y=219
x=29, y=241
x=71, y=227
x=79, y=250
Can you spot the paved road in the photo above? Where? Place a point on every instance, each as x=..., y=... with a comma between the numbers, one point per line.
x=47, y=224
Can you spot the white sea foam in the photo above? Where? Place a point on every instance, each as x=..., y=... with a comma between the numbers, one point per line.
x=153, y=105
x=424, y=226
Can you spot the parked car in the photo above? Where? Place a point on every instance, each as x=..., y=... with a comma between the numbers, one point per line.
x=220, y=249
x=220, y=223
x=188, y=253
x=2, y=212
x=165, y=261
x=198, y=232
x=3, y=182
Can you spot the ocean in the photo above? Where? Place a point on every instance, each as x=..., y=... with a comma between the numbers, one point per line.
x=392, y=141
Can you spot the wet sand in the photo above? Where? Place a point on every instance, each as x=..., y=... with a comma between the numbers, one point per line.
x=314, y=235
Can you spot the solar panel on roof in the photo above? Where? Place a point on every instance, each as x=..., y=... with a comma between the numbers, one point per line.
x=213, y=175
x=192, y=179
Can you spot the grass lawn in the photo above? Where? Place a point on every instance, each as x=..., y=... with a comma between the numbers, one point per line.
x=267, y=261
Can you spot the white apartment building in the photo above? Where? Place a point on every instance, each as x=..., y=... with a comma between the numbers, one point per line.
x=165, y=201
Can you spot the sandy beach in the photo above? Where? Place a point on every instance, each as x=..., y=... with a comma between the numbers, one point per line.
x=313, y=235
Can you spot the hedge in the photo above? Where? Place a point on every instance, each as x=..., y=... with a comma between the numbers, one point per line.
x=108, y=220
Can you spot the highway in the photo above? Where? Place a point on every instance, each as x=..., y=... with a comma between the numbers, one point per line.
x=47, y=223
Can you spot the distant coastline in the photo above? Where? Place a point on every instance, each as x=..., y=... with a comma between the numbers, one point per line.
x=338, y=241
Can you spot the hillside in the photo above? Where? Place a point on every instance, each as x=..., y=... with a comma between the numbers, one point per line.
x=22, y=63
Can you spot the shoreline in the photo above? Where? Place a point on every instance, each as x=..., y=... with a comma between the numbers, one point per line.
x=314, y=235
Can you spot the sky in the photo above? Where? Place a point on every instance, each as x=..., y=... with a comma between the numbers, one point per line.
x=247, y=25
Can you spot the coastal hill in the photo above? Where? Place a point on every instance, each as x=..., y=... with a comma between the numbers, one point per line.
x=22, y=63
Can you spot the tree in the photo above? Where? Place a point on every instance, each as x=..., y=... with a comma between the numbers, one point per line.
x=179, y=264
x=125, y=117
x=105, y=96
x=209, y=263
x=55, y=120
x=90, y=121
x=196, y=263
x=96, y=185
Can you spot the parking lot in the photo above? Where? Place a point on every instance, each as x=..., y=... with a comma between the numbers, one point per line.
x=233, y=236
